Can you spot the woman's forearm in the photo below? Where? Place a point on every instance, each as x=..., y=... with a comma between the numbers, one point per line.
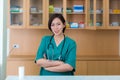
x=60, y=68
x=48, y=63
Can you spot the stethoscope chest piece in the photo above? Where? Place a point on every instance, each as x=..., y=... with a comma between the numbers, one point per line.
x=60, y=58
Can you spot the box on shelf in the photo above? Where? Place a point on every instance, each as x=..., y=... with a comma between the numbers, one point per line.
x=78, y=8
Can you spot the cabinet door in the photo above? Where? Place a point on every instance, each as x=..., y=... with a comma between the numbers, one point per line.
x=81, y=68
x=16, y=13
x=113, y=14
x=36, y=14
x=54, y=6
x=30, y=67
x=96, y=14
x=113, y=67
x=76, y=13
x=97, y=68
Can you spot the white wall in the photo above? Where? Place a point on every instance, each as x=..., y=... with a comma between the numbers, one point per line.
x=1, y=34
x=3, y=40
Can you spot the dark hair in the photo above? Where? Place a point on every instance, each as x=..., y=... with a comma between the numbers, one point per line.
x=52, y=17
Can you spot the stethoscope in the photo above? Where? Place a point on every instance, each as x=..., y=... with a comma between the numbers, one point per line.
x=50, y=45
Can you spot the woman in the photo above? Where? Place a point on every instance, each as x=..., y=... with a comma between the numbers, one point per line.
x=57, y=53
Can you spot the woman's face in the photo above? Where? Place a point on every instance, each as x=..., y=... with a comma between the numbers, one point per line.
x=57, y=26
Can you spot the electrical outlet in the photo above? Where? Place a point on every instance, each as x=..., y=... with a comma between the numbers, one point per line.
x=15, y=45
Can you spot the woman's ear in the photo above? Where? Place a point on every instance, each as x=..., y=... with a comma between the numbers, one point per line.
x=64, y=24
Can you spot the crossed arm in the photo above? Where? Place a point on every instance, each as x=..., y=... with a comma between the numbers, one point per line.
x=54, y=66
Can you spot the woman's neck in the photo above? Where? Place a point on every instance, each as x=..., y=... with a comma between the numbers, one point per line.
x=61, y=36
x=58, y=39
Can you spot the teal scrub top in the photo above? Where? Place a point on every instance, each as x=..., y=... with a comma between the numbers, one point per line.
x=53, y=52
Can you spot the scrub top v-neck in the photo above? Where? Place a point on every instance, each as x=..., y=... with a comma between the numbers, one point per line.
x=68, y=53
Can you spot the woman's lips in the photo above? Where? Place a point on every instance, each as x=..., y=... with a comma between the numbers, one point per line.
x=56, y=31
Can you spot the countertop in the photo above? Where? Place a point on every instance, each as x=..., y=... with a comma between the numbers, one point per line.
x=64, y=78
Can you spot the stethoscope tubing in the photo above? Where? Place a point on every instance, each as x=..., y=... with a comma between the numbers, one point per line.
x=50, y=43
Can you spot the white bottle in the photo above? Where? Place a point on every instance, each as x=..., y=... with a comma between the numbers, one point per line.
x=21, y=72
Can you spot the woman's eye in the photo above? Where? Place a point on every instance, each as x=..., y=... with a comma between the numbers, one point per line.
x=52, y=24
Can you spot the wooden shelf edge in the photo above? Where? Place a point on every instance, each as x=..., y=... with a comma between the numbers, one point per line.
x=79, y=58
x=98, y=58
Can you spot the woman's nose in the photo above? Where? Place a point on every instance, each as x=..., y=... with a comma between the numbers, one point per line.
x=56, y=26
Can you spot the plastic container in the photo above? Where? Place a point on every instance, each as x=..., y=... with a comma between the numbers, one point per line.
x=81, y=25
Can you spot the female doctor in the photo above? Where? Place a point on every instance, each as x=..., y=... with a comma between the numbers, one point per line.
x=56, y=53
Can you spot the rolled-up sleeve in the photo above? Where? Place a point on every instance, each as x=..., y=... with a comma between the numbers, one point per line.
x=41, y=49
x=71, y=55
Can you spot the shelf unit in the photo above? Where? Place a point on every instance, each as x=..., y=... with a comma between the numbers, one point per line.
x=26, y=14
x=74, y=16
x=113, y=14
x=16, y=13
x=96, y=14
x=92, y=14
x=55, y=6
x=36, y=14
